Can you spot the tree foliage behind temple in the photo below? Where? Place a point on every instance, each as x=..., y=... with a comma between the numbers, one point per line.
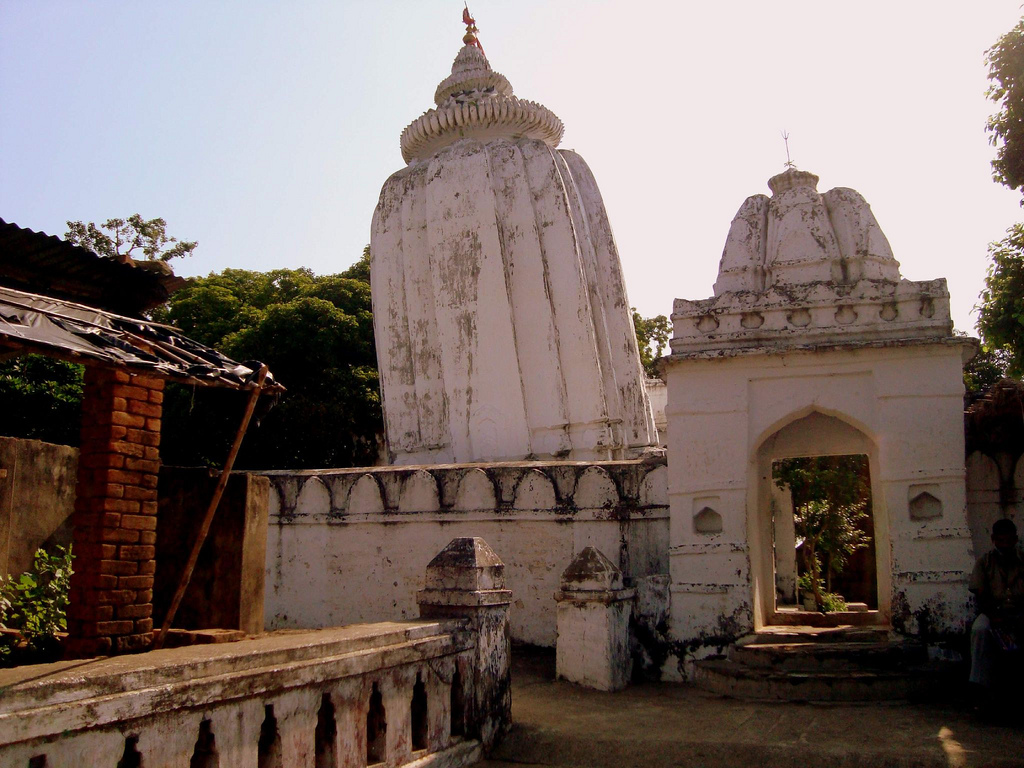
x=1001, y=306
x=1006, y=88
x=652, y=335
x=40, y=399
x=316, y=335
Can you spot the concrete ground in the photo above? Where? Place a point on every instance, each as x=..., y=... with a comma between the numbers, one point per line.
x=663, y=724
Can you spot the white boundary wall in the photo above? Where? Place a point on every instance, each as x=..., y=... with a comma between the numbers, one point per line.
x=351, y=545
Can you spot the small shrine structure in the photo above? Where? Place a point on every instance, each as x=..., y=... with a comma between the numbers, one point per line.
x=814, y=345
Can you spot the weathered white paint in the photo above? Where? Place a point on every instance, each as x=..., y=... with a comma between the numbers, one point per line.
x=985, y=502
x=657, y=393
x=813, y=345
x=502, y=324
x=75, y=715
x=263, y=700
x=362, y=557
x=466, y=581
x=593, y=623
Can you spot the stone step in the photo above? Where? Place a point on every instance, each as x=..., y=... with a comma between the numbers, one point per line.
x=857, y=618
x=729, y=678
x=834, y=656
x=803, y=634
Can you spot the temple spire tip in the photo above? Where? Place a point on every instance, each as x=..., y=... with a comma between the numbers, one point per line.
x=470, y=37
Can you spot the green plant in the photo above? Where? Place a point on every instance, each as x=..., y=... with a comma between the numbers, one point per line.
x=827, y=602
x=831, y=498
x=805, y=583
x=35, y=604
x=831, y=602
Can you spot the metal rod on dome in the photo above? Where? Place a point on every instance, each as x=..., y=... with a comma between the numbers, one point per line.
x=470, y=37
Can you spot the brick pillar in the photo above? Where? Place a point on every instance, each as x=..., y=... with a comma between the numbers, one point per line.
x=111, y=603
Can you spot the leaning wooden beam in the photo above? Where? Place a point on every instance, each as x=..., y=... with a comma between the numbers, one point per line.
x=204, y=528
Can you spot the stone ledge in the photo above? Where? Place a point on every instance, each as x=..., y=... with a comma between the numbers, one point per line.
x=463, y=753
x=444, y=597
x=718, y=353
x=582, y=597
x=165, y=680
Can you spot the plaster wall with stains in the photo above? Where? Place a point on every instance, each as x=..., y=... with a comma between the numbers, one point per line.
x=813, y=345
x=351, y=545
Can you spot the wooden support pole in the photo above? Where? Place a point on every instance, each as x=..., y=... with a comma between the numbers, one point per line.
x=211, y=510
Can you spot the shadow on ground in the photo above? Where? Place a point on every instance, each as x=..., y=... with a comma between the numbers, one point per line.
x=663, y=724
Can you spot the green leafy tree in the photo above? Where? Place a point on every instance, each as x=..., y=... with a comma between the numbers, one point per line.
x=983, y=370
x=1005, y=62
x=131, y=238
x=316, y=335
x=361, y=269
x=41, y=399
x=35, y=604
x=652, y=334
x=1001, y=311
x=830, y=499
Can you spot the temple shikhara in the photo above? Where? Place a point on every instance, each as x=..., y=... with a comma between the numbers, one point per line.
x=501, y=318
x=524, y=494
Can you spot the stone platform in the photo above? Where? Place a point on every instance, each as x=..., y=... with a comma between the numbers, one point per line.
x=813, y=663
x=657, y=725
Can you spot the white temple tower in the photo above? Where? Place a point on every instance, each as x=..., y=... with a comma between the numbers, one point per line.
x=502, y=325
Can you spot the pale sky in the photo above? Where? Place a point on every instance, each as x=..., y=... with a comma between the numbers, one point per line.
x=265, y=130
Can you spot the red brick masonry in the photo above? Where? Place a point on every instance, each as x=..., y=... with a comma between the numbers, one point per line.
x=111, y=604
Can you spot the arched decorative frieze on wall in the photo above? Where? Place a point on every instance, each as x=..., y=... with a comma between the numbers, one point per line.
x=419, y=493
x=654, y=488
x=385, y=520
x=365, y=497
x=535, y=491
x=595, y=490
x=314, y=498
x=475, y=492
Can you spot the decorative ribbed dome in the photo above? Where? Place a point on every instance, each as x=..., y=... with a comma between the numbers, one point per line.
x=477, y=102
x=471, y=78
x=791, y=178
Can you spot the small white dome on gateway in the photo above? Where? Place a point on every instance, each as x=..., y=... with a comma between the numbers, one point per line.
x=801, y=269
x=799, y=237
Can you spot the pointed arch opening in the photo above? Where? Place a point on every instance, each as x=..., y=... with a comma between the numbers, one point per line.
x=204, y=755
x=817, y=527
x=326, y=736
x=269, y=750
x=376, y=728
x=418, y=714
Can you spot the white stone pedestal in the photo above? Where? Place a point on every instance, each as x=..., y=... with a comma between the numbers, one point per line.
x=593, y=623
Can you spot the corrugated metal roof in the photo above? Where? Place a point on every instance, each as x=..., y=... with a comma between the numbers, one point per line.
x=40, y=263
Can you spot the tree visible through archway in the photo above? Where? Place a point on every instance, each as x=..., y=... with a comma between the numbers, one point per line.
x=832, y=527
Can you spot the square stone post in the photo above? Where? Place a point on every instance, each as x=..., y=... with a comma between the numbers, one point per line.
x=593, y=623
x=111, y=601
x=467, y=581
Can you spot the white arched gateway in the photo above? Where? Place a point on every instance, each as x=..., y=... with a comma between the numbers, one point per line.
x=813, y=345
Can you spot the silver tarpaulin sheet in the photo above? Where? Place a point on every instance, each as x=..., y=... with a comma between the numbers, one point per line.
x=78, y=332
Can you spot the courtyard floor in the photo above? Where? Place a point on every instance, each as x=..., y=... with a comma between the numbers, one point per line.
x=664, y=724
